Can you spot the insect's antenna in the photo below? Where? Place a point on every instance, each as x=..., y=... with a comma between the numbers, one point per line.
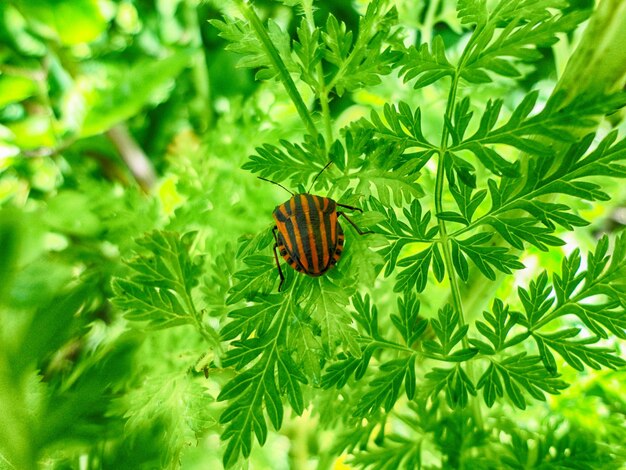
x=318, y=175
x=277, y=184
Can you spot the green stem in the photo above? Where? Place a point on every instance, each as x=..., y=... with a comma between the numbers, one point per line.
x=385, y=344
x=199, y=70
x=322, y=91
x=427, y=28
x=274, y=56
x=445, y=239
x=323, y=97
x=439, y=187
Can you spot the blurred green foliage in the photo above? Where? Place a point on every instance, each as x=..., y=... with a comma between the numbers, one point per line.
x=139, y=322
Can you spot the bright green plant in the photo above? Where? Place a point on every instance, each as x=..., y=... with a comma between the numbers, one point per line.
x=487, y=306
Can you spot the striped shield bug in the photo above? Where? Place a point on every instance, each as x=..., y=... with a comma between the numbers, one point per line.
x=307, y=233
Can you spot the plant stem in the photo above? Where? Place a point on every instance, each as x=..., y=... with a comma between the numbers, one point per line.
x=445, y=240
x=439, y=186
x=283, y=73
x=133, y=155
x=322, y=91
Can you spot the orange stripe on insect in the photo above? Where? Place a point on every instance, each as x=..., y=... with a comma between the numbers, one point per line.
x=282, y=228
x=333, y=227
x=302, y=258
x=313, y=247
x=325, y=256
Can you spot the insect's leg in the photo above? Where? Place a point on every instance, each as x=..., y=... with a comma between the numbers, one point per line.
x=280, y=271
x=361, y=232
x=352, y=208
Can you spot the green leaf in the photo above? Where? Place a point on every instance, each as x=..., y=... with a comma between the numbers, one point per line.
x=393, y=184
x=467, y=201
x=304, y=340
x=496, y=328
x=338, y=374
x=361, y=62
x=69, y=21
x=294, y=162
x=328, y=304
x=449, y=333
x=427, y=65
x=417, y=228
x=522, y=25
x=516, y=231
x=308, y=52
x=485, y=257
x=396, y=452
x=472, y=11
x=408, y=321
x=384, y=390
x=244, y=41
x=536, y=299
x=159, y=289
x=400, y=125
x=516, y=374
x=259, y=276
x=415, y=274
x=129, y=90
x=576, y=352
x=247, y=320
x=366, y=314
x=259, y=388
x=456, y=384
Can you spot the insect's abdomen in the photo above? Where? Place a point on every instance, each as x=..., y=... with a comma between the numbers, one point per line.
x=310, y=238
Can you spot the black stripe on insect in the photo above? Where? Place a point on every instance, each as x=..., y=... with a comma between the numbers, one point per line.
x=307, y=233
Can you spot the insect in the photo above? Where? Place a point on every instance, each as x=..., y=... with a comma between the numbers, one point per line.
x=307, y=233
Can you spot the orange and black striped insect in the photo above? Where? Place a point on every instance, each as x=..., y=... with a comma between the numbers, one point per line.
x=307, y=233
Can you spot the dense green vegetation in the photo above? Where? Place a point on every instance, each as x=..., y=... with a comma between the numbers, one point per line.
x=480, y=325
